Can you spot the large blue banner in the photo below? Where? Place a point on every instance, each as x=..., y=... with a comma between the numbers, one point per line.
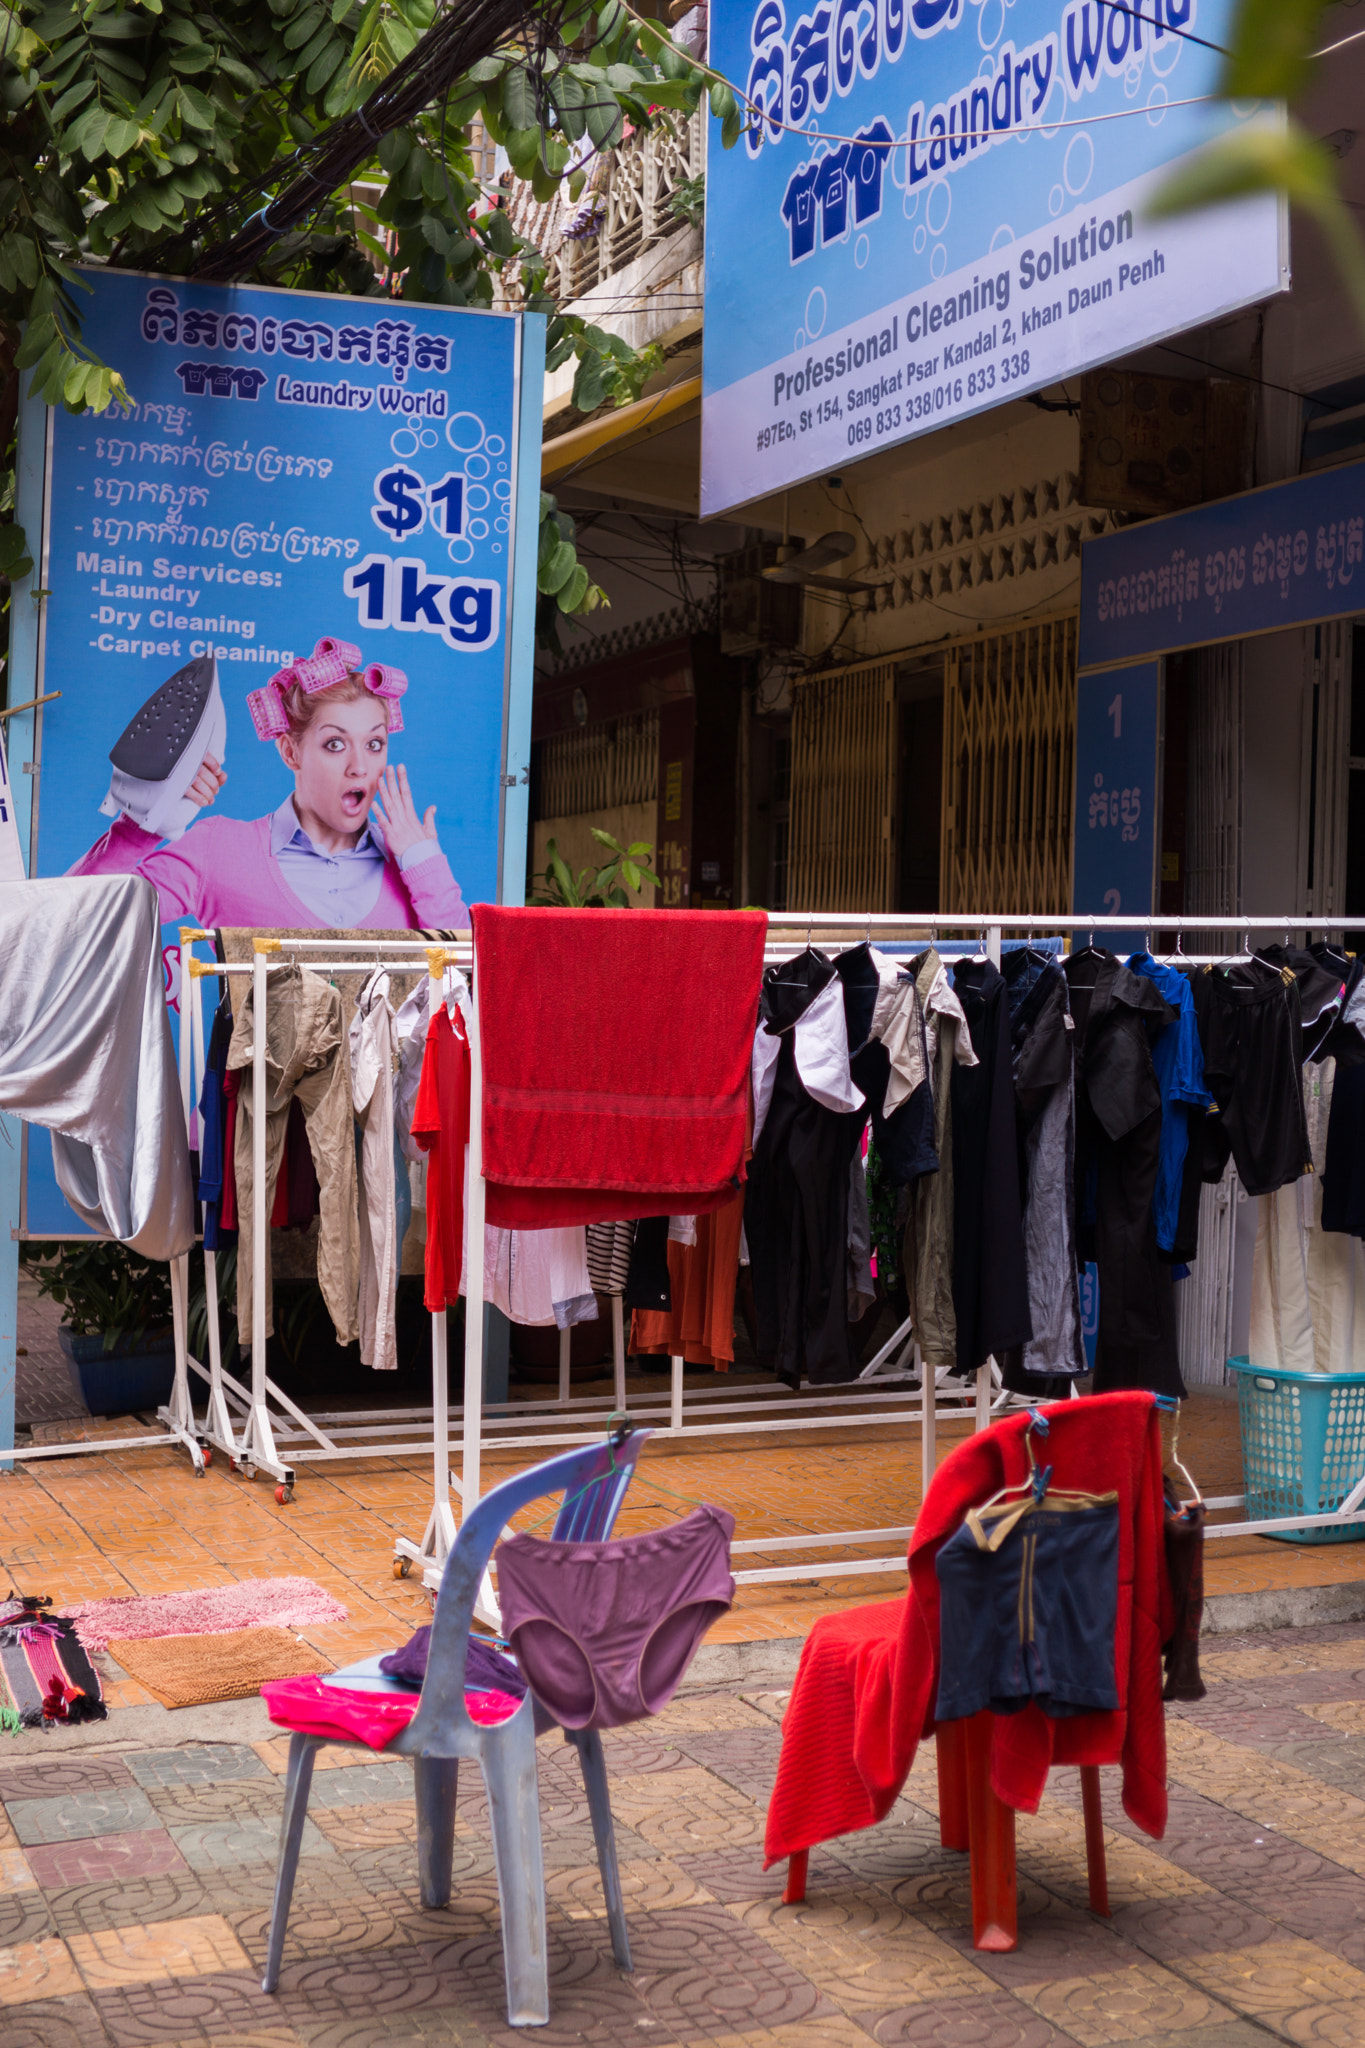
x=278, y=612
x=1287, y=555
x=941, y=206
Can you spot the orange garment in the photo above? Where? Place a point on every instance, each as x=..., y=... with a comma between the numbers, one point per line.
x=701, y=1323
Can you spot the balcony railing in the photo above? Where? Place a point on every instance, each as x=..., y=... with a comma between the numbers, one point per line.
x=624, y=209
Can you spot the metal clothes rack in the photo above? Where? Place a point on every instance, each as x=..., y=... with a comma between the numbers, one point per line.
x=278, y=1442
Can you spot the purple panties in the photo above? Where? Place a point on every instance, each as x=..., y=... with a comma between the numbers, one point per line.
x=485, y=1670
x=604, y=1632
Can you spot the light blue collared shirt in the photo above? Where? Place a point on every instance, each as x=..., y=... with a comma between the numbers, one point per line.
x=340, y=888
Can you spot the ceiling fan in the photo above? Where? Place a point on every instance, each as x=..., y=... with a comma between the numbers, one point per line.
x=803, y=565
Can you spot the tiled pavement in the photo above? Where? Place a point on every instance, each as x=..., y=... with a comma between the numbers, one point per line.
x=135, y=1891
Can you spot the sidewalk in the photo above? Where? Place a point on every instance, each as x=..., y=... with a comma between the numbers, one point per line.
x=138, y=1876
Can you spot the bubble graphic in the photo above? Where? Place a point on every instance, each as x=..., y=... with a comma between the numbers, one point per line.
x=1163, y=56
x=495, y=445
x=816, y=310
x=503, y=488
x=478, y=529
x=1078, y=163
x=921, y=239
x=464, y=431
x=1056, y=200
x=1002, y=237
x=476, y=466
x=497, y=547
x=460, y=552
x=501, y=525
x=911, y=205
x=1156, y=106
x=862, y=249
x=990, y=23
x=502, y=469
x=799, y=338
x=405, y=443
x=938, y=206
x=938, y=262
x=1132, y=81
x=476, y=499
x=429, y=438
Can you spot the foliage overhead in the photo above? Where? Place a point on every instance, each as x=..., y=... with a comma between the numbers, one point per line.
x=162, y=135
x=1270, y=57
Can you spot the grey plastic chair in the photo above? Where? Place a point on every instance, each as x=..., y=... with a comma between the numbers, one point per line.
x=594, y=1480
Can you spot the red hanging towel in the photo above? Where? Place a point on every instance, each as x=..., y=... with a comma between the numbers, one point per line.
x=616, y=1049
x=440, y=1125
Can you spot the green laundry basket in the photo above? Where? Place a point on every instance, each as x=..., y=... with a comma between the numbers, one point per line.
x=1303, y=1446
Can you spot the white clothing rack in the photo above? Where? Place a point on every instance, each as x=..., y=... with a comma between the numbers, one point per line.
x=278, y=1442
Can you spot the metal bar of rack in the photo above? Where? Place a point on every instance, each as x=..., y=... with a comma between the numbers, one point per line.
x=728, y=1414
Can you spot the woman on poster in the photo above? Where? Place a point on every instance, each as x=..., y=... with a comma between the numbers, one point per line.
x=347, y=848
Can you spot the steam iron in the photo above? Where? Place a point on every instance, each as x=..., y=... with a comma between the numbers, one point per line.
x=160, y=752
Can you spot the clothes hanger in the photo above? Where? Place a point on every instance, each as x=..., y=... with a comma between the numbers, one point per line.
x=1027, y=1494
x=1168, y=1404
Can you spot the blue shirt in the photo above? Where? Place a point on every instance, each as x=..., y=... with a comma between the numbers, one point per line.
x=1179, y=1062
x=340, y=888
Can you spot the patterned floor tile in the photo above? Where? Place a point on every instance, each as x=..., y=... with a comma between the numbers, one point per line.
x=1123, y=2005
x=53, y=1776
x=54, y=2023
x=322, y=1927
x=687, y=1811
x=190, y=2009
x=864, y=1952
x=32, y=1970
x=1274, y=1978
x=648, y=1886
x=829, y=2032
x=159, y=1952
x=701, y=1972
x=199, y=1763
x=216, y=1845
x=24, y=1916
x=130, y=1902
x=1165, y=1927
x=997, y=2021
x=737, y=1874
x=443, y=2029
x=1335, y=2026
x=367, y=1784
x=143, y=1854
x=259, y=1798
x=1057, y=1943
x=79, y=1816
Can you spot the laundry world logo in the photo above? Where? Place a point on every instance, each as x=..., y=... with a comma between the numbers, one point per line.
x=397, y=591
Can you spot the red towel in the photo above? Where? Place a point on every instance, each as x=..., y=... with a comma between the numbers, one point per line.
x=868, y=1679
x=616, y=1050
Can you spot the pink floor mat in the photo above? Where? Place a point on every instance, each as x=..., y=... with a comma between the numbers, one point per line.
x=251, y=1603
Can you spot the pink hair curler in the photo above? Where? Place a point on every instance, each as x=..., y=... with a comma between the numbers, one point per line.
x=267, y=709
x=382, y=681
x=349, y=653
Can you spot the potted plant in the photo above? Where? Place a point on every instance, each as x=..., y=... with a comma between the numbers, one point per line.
x=116, y=1322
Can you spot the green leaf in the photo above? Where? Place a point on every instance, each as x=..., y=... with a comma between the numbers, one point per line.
x=523, y=147
x=604, y=121
x=559, y=567
x=193, y=58
x=15, y=559
x=1255, y=158
x=119, y=137
x=74, y=97
x=570, y=598
x=722, y=99
x=1272, y=41
x=195, y=108
x=732, y=127
x=519, y=99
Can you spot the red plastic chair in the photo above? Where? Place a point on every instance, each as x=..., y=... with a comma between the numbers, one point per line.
x=822, y=1795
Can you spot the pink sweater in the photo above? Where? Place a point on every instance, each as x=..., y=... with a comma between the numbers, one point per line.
x=223, y=872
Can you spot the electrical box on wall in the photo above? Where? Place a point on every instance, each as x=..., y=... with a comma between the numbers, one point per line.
x=1158, y=444
x=755, y=613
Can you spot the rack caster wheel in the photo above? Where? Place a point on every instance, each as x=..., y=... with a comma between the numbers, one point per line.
x=401, y=1567
x=206, y=1452
x=233, y=1465
x=283, y=1495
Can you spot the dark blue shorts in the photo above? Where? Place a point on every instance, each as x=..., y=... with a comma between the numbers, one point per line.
x=1033, y=1620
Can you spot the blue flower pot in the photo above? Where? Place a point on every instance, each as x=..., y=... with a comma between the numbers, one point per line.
x=138, y=1375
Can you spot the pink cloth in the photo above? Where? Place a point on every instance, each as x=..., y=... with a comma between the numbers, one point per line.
x=305, y=1706
x=223, y=872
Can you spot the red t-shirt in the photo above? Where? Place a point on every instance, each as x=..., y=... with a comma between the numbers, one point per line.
x=440, y=1124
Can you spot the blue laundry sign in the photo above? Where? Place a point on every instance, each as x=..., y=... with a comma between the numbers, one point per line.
x=940, y=205
x=1287, y=555
x=1117, y=725
x=290, y=611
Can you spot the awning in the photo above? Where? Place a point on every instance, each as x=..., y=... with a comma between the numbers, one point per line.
x=626, y=427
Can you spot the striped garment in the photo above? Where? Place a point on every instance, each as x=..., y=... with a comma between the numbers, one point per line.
x=45, y=1674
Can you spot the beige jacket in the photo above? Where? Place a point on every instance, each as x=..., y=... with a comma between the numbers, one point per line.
x=306, y=1055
